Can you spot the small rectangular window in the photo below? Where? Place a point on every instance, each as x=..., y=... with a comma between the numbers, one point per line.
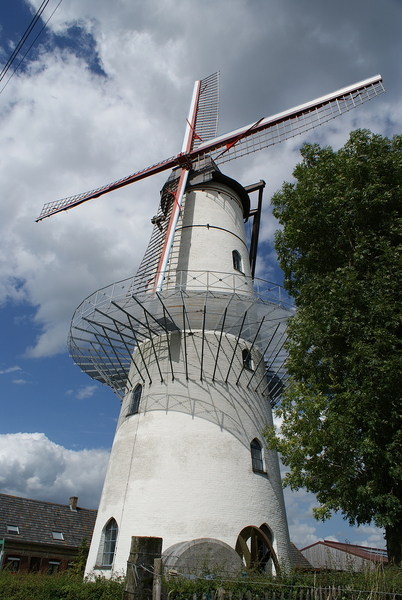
x=12, y=564
x=13, y=529
x=237, y=262
x=256, y=456
x=135, y=400
x=53, y=567
x=34, y=564
x=57, y=535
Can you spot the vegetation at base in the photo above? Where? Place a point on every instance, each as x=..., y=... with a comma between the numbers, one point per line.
x=293, y=585
x=378, y=583
x=61, y=586
x=341, y=252
x=78, y=567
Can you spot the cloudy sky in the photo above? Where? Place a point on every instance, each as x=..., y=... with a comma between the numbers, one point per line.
x=105, y=92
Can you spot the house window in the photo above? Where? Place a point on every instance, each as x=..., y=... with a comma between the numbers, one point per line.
x=12, y=564
x=53, y=567
x=109, y=545
x=57, y=535
x=237, y=263
x=256, y=456
x=135, y=400
x=34, y=564
x=247, y=360
x=13, y=529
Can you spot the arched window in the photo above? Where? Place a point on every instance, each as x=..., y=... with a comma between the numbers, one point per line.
x=237, y=263
x=247, y=360
x=109, y=544
x=256, y=456
x=135, y=400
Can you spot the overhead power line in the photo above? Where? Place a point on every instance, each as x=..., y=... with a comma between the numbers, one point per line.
x=24, y=38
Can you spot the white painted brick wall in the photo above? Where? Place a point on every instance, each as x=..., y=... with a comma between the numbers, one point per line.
x=181, y=469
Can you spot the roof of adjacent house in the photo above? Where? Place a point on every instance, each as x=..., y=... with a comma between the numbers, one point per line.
x=299, y=560
x=44, y=522
x=372, y=554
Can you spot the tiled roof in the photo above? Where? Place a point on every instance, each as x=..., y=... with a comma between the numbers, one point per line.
x=36, y=520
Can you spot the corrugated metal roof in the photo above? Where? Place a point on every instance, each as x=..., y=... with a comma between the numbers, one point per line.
x=372, y=554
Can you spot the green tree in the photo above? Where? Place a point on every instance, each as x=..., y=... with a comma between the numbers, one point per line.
x=80, y=560
x=341, y=252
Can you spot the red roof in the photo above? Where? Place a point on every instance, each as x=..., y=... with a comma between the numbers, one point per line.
x=373, y=554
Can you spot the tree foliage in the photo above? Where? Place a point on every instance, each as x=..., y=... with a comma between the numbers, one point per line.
x=341, y=253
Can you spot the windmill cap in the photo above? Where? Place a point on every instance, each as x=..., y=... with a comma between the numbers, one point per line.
x=212, y=173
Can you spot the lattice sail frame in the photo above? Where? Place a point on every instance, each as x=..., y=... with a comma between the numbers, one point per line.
x=254, y=137
x=206, y=123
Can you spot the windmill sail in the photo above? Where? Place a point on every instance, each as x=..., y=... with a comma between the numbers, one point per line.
x=206, y=123
x=288, y=124
x=254, y=137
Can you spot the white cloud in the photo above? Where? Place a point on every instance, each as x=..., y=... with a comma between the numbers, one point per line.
x=65, y=129
x=32, y=466
x=302, y=534
x=10, y=370
x=86, y=392
x=367, y=535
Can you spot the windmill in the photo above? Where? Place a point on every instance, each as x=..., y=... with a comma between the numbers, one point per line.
x=193, y=346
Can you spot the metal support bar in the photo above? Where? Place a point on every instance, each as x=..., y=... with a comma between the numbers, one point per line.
x=132, y=359
x=140, y=351
x=185, y=341
x=256, y=224
x=152, y=317
x=117, y=320
x=219, y=343
x=272, y=362
x=96, y=351
x=131, y=316
x=119, y=361
x=168, y=344
x=125, y=371
x=280, y=380
x=166, y=310
x=263, y=354
x=97, y=325
x=251, y=347
x=203, y=340
x=235, y=348
x=185, y=311
x=154, y=349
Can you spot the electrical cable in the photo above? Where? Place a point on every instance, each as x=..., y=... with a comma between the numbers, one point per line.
x=30, y=47
x=24, y=38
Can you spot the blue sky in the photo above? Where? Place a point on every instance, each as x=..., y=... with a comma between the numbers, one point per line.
x=103, y=93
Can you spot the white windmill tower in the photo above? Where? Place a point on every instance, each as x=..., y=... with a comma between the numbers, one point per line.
x=193, y=347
